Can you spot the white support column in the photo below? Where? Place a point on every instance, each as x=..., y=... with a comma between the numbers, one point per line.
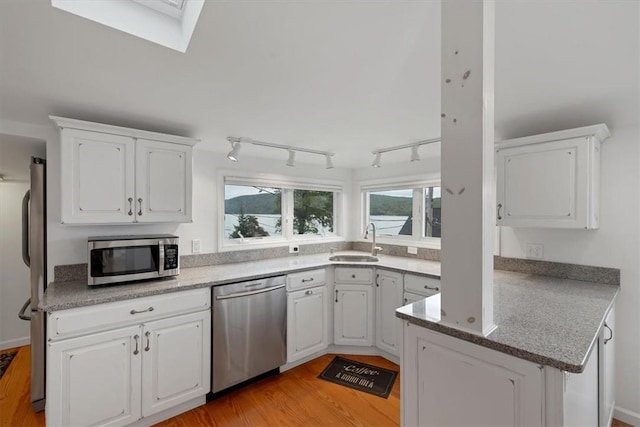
x=468, y=185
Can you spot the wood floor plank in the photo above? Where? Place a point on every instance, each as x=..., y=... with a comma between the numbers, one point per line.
x=294, y=398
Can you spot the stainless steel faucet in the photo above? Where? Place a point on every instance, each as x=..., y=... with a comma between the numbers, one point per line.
x=374, y=248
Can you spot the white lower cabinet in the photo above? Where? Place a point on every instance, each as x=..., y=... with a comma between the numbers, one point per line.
x=124, y=373
x=388, y=299
x=307, y=322
x=95, y=379
x=447, y=381
x=353, y=315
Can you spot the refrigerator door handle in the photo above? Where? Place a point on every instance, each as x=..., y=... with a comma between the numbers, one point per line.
x=24, y=309
x=25, y=228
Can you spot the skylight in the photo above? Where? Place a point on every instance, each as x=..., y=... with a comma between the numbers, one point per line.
x=169, y=23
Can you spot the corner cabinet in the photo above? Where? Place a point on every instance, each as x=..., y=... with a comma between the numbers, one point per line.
x=114, y=175
x=550, y=180
x=144, y=358
x=354, y=306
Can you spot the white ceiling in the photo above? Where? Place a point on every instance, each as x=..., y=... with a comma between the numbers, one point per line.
x=347, y=77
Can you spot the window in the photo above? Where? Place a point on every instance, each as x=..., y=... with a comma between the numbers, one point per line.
x=394, y=210
x=259, y=211
x=251, y=211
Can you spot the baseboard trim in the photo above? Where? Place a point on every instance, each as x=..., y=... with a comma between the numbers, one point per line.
x=18, y=342
x=627, y=416
x=342, y=349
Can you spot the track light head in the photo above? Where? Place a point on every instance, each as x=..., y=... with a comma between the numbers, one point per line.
x=235, y=150
x=376, y=162
x=329, y=161
x=292, y=158
x=414, y=153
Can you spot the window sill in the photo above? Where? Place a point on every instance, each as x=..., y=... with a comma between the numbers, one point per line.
x=248, y=245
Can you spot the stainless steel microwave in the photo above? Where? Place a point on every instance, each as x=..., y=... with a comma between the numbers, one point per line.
x=115, y=259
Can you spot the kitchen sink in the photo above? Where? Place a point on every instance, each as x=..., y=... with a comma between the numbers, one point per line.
x=353, y=258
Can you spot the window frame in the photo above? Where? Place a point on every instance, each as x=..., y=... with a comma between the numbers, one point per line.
x=417, y=185
x=287, y=184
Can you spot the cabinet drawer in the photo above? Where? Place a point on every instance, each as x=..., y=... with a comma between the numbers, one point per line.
x=421, y=285
x=84, y=320
x=354, y=275
x=306, y=279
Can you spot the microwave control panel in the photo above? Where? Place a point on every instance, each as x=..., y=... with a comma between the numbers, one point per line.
x=170, y=257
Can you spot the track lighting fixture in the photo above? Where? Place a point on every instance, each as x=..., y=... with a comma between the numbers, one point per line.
x=292, y=158
x=414, y=150
x=329, y=161
x=376, y=162
x=235, y=143
x=414, y=153
x=235, y=149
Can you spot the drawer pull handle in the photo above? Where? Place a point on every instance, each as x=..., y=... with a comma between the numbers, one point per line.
x=309, y=293
x=148, y=347
x=135, y=337
x=141, y=311
x=435, y=288
x=130, y=206
x=307, y=280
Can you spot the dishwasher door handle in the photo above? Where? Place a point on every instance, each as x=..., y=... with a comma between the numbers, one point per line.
x=247, y=293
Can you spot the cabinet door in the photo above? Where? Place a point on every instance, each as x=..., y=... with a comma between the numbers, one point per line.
x=95, y=379
x=97, y=177
x=163, y=182
x=546, y=185
x=307, y=322
x=353, y=321
x=388, y=298
x=177, y=355
x=607, y=371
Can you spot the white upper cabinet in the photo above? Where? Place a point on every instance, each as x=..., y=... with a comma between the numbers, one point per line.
x=163, y=181
x=114, y=175
x=550, y=180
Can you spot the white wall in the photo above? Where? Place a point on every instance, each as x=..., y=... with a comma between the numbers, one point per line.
x=615, y=244
x=14, y=274
x=68, y=243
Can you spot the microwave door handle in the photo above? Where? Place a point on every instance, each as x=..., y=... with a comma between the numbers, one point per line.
x=161, y=257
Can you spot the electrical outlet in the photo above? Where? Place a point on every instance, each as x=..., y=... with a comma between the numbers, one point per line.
x=195, y=246
x=534, y=250
x=294, y=249
x=411, y=250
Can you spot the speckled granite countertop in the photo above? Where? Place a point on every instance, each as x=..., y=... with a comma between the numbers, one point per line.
x=545, y=320
x=64, y=295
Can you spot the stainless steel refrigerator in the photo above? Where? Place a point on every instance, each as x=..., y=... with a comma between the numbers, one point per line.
x=34, y=254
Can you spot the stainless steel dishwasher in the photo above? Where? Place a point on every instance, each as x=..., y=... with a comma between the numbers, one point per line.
x=249, y=330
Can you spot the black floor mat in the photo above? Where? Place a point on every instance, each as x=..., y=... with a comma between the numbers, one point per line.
x=359, y=376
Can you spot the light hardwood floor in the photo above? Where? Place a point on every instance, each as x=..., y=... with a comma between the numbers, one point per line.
x=294, y=398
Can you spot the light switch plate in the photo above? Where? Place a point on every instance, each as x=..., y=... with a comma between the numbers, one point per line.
x=293, y=249
x=411, y=250
x=195, y=246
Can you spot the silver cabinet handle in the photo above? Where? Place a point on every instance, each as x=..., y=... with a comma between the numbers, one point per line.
x=130, y=199
x=148, y=347
x=435, y=288
x=136, y=337
x=377, y=284
x=26, y=257
x=309, y=293
x=606, y=340
x=336, y=295
x=307, y=280
x=499, y=207
x=140, y=211
x=141, y=311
